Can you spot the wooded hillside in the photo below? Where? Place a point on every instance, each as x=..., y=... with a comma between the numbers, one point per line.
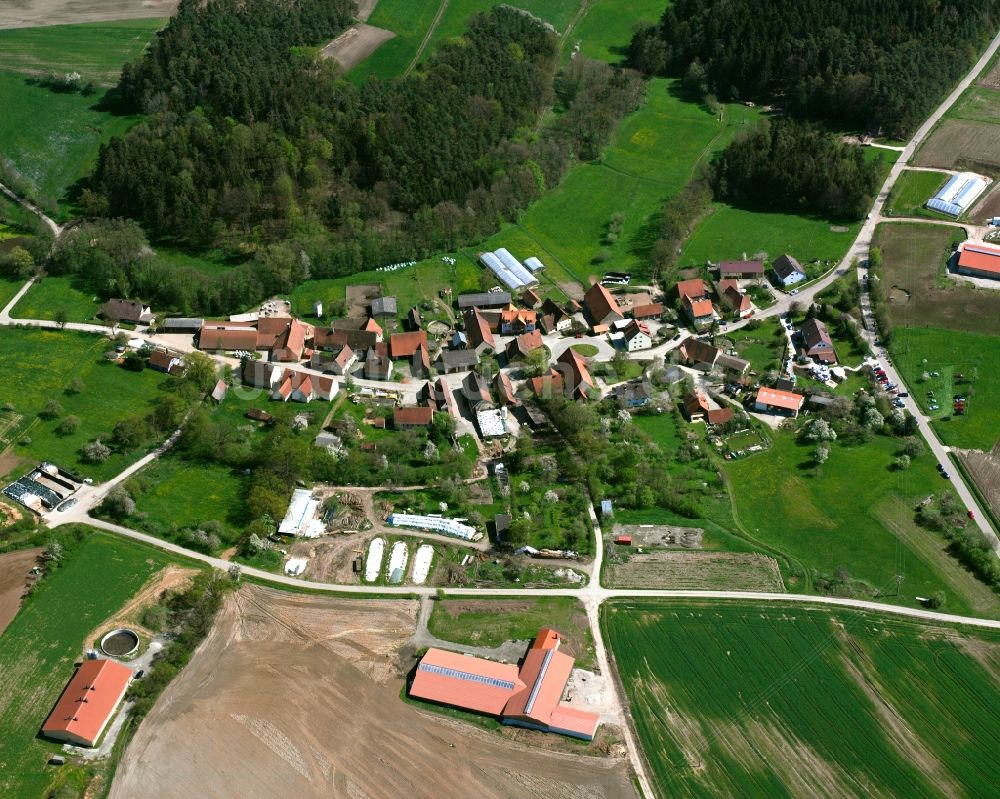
x=853, y=63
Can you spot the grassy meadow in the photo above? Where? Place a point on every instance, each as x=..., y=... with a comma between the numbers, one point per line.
x=731, y=233
x=850, y=521
x=607, y=27
x=917, y=350
x=490, y=622
x=179, y=494
x=652, y=155
x=52, y=294
x=49, y=634
x=912, y=190
x=735, y=699
x=110, y=393
x=51, y=138
x=8, y=288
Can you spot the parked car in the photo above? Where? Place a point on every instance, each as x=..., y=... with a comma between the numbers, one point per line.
x=945, y=475
x=904, y=394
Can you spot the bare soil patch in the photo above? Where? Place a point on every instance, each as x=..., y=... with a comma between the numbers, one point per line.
x=991, y=80
x=359, y=297
x=961, y=143
x=662, y=535
x=984, y=467
x=696, y=571
x=355, y=44
x=989, y=206
x=15, y=571
x=270, y=705
x=9, y=514
x=914, y=257
x=37, y=13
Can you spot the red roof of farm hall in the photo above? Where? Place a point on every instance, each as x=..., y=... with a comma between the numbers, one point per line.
x=779, y=398
x=468, y=682
x=983, y=257
x=90, y=698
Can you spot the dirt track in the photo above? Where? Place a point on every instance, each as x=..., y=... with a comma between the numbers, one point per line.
x=271, y=705
x=37, y=13
x=14, y=569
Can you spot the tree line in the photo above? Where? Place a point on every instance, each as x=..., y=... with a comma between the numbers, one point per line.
x=851, y=63
x=335, y=178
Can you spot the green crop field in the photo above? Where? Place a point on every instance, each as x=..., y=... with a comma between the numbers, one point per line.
x=912, y=190
x=50, y=139
x=180, y=494
x=490, y=622
x=49, y=634
x=56, y=293
x=95, y=51
x=977, y=103
x=735, y=699
x=730, y=232
x=853, y=515
x=917, y=350
x=45, y=362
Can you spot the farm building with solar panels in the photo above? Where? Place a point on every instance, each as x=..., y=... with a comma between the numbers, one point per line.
x=528, y=697
x=958, y=194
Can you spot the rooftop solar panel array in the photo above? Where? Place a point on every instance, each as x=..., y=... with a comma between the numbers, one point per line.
x=444, y=671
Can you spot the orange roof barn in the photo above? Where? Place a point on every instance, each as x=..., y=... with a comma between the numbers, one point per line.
x=88, y=702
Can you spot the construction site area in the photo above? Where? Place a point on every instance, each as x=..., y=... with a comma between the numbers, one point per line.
x=281, y=682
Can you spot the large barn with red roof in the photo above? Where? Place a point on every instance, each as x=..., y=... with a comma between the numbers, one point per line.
x=527, y=697
x=88, y=702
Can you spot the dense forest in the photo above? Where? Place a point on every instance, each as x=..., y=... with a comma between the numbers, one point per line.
x=255, y=144
x=785, y=165
x=852, y=63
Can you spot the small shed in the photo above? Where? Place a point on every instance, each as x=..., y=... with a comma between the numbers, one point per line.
x=623, y=540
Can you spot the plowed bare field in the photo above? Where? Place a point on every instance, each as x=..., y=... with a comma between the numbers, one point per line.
x=294, y=695
x=957, y=142
x=985, y=470
x=36, y=13
x=670, y=569
x=14, y=570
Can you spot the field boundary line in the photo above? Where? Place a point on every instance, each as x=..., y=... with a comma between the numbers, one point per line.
x=427, y=37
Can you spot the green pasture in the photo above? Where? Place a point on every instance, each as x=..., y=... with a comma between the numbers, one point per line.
x=740, y=699
x=8, y=288
x=731, y=233
x=208, y=263
x=853, y=516
x=977, y=103
x=455, y=20
x=95, y=51
x=912, y=190
x=763, y=347
x=49, y=634
x=606, y=29
x=42, y=364
x=916, y=350
x=410, y=285
x=51, y=294
x=50, y=139
x=651, y=157
x=490, y=622
x=410, y=21
x=179, y=494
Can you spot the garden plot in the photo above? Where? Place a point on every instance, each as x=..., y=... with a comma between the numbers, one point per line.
x=735, y=571
x=662, y=535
